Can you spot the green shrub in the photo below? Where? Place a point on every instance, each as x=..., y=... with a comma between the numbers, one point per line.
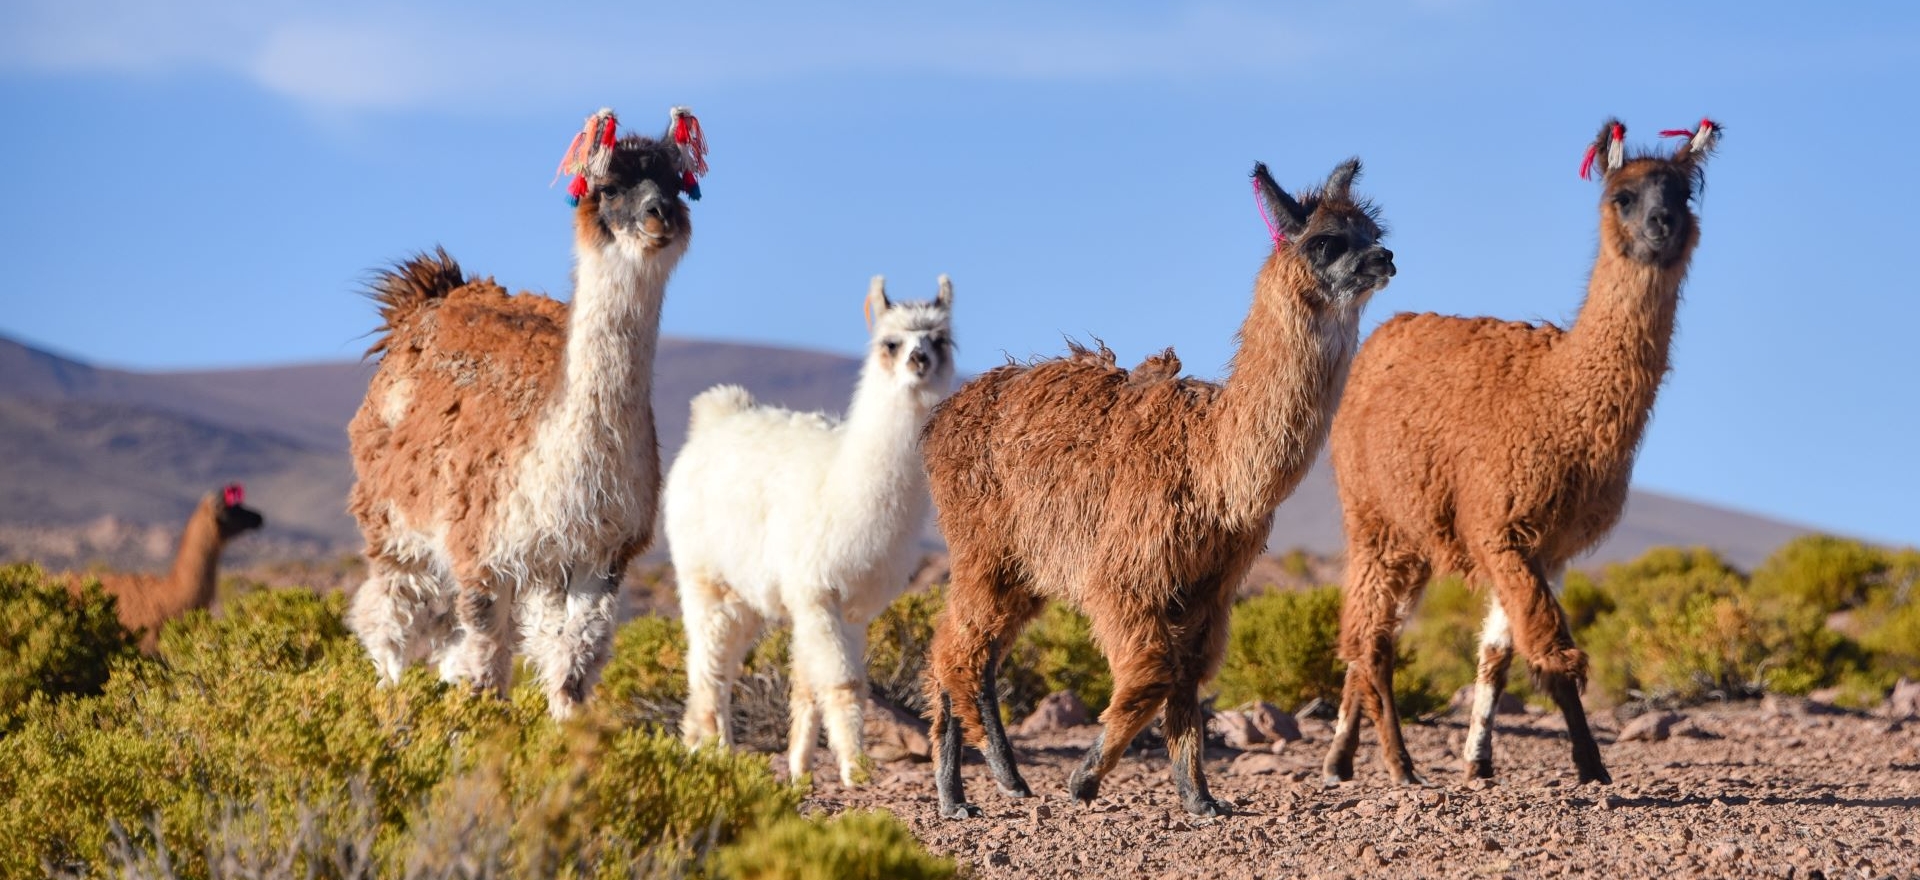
x=263, y=731
x=645, y=681
x=1283, y=647
x=53, y=643
x=898, y=644
x=1056, y=652
x=851, y=846
x=1822, y=571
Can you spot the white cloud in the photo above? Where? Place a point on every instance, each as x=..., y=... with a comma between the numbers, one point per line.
x=352, y=57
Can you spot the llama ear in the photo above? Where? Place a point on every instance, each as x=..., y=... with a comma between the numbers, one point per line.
x=1700, y=142
x=1610, y=143
x=944, y=298
x=1287, y=213
x=877, y=302
x=1340, y=182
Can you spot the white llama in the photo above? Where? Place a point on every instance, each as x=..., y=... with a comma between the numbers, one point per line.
x=774, y=515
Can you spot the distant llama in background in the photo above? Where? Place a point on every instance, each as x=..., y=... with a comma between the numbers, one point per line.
x=1141, y=497
x=147, y=602
x=1500, y=450
x=773, y=515
x=506, y=457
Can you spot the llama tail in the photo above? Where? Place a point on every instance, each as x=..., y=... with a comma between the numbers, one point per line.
x=402, y=290
x=717, y=403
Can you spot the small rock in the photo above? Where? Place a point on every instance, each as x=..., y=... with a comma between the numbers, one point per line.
x=1237, y=729
x=1280, y=745
x=893, y=733
x=1367, y=809
x=1651, y=727
x=1039, y=812
x=1257, y=764
x=1904, y=702
x=999, y=859
x=1317, y=708
x=1274, y=724
x=1727, y=851
x=1060, y=710
x=1489, y=844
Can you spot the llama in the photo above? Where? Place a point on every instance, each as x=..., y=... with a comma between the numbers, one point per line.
x=1141, y=497
x=147, y=602
x=505, y=455
x=1500, y=450
x=776, y=515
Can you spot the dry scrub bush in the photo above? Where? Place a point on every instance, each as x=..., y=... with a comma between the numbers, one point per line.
x=257, y=745
x=53, y=643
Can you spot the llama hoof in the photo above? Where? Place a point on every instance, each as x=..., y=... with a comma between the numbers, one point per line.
x=1596, y=774
x=1337, y=771
x=1018, y=791
x=1408, y=780
x=1083, y=788
x=1482, y=769
x=960, y=811
x=1209, y=808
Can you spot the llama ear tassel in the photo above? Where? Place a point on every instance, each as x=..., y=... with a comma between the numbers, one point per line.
x=234, y=495
x=877, y=302
x=1613, y=138
x=1700, y=141
x=685, y=130
x=589, y=155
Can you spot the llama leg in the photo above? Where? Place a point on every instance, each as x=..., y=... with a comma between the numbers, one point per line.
x=965, y=642
x=569, y=635
x=480, y=655
x=1386, y=717
x=1140, y=687
x=383, y=615
x=995, y=747
x=1338, y=766
x=803, y=732
x=1489, y=682
x=829, y=653
x=720, y=630
x=1204, y=624
x=1539, y=629
x=948, y=743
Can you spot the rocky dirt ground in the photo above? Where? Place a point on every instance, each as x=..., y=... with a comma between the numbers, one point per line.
x=1782, y=789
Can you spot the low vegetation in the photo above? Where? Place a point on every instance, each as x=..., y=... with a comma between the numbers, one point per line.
x=257, y=737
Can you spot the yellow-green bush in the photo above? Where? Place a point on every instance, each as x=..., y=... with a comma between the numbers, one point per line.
x=262, y=730
x=53, y=643
x=851, y=846
x=1822, y=571
x=898, y=642
x=1283, y=647
x=1056, y=652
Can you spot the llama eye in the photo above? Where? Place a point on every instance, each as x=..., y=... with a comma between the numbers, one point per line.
x=1622, y=199
x=892, y=346
x=1328, y=247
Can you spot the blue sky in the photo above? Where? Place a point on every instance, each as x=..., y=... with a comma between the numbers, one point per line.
x=205, y=182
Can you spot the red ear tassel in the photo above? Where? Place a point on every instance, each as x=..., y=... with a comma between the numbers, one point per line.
x=692, y=141
x=235, y=495
x=1613, y=152
x=1586, y=164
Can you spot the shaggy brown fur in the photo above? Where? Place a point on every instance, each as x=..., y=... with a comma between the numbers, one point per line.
x=1140, y=497
x=1499, y=450
x=147, y=602
x=482, y=365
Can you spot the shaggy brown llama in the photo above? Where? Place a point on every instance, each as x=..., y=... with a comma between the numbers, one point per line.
x=1141, y=497
x=147, y=602
x=506, y=457
x=1499, y=450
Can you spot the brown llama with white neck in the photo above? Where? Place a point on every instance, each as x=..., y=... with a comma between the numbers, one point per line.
x=1141, y=497
x=1500, y=450
x=506, y=458
x=147, y=602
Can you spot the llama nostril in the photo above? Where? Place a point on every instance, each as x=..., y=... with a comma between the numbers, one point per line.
x=656, y=208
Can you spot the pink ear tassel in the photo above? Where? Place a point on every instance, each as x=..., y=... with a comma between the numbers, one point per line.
x=692, y=141
x=235, y=495
x=1616, y=151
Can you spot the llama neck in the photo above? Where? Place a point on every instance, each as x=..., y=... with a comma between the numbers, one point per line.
x=612, y=331
x=1611, y=363
x=195, y=567
x=1271, y=419
x=877, y=466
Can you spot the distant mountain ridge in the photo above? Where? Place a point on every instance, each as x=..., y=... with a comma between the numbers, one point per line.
x=98, y=463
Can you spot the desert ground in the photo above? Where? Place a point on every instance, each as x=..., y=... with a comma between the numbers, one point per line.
x=1779, y=788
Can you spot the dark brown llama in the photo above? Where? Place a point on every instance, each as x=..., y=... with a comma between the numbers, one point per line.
x=147, y=602
x=1141, y=497
x=1499, y=450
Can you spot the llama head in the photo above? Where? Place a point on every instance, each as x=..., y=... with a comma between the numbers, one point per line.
x=1646, y=208
x=912, y=344
x=230, y=513
x=1337, y=235
x=630, y=189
